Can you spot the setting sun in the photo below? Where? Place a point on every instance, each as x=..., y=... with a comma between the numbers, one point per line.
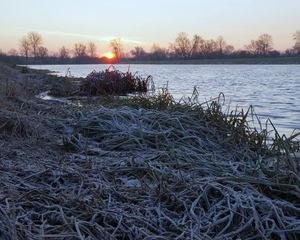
x=108, y=55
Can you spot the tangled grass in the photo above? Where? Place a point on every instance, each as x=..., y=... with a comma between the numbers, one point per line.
x=153, y=168
x=112, y=81
x=15, y=124
x=61, y=86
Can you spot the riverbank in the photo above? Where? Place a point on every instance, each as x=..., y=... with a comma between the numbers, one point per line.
x=115, y=168
x=215, y=61
x=224, y=61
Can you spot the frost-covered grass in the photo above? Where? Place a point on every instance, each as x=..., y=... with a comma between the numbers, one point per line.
x=145, y=168
x=140, y=168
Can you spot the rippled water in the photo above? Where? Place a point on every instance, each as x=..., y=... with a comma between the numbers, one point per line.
x=274, y=90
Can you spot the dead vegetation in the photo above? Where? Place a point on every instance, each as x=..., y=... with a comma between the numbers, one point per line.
x=62, y=86
x=114, y=82
x=146, y=168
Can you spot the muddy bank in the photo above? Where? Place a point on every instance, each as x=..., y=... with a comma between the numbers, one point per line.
x=140, y=169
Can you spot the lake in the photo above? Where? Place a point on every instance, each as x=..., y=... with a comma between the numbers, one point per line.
x=273, y=90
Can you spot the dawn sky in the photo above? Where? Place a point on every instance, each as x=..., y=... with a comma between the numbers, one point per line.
x=139, y=22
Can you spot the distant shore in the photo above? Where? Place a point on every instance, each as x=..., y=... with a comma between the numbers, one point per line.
x=220, y=61
x=252, y=61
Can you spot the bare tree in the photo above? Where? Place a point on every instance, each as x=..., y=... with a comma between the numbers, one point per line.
x=117, y=48
x=262, y=46
x=64, y=52
x=158, y=53
x=13, y=52
x=80, y=50
x=35, y=42
x=220, y=44
x=265, y=44
x=92, y=49
x=197, y=42
x=296, y=37
x=252, y=47
x=182, y=45
x=25, y=47
x=138, y=52
x=229, y=49
x=209, y=47
x=42, y=52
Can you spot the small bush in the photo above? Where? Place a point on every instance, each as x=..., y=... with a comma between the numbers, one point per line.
x=111, y=81
x=24, y=70
x=9, y=88
x=61, y=86
x=18, y=125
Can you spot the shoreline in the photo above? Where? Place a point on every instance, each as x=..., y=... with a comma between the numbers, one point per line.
x=221, y=61
x=113, y=168
x=229, y=61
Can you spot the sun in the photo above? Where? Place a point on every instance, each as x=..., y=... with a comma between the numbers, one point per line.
x=108, y=55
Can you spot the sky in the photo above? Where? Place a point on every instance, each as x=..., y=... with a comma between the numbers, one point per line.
x=144, y=22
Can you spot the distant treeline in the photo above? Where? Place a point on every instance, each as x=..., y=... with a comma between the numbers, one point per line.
x=50, y=60
x=32, y=51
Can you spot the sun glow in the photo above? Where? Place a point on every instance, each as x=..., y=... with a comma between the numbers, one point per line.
x=108, y=55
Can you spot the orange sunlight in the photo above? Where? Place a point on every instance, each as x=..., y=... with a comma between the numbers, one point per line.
x=108, y=55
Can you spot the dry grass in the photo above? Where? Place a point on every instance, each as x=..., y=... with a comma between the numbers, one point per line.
x=12, y=123
x=112, y=81
x=62, y=86
x=151, y=169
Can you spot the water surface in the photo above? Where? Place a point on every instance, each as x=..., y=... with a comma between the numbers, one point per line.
x=274, y=90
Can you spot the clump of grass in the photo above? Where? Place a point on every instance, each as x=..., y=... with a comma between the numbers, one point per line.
x=10, y=89
x=114, y=82
x=24, y=70
x=18, y=125
x=62, y=86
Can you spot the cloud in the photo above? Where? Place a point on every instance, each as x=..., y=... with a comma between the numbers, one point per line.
x=90, y=37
